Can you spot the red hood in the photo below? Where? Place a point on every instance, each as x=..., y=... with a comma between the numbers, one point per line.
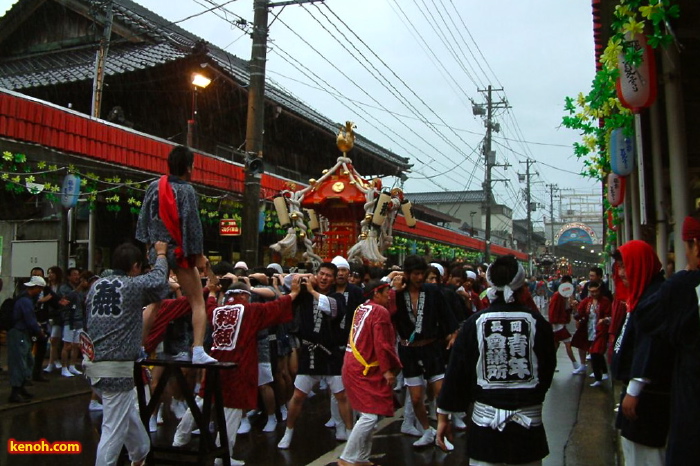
x=641, y=266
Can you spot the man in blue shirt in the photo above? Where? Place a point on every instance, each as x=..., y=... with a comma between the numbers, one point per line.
x=19, y=339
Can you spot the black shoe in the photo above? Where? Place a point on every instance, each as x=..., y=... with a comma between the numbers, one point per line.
x=16, y=397
x=40, y=378
x=25, y=394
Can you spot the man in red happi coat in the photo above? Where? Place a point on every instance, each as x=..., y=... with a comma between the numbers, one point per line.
x=560, y=308
x=235, y=327
x=594, y=312
x=369, y=371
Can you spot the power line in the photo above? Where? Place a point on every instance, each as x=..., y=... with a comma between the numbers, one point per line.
x=298, y=65
x=405, y=85
x=359, y=87
x=477, y=46
x=441, y=35
x=546, y=164
x=459, y=33
x=342, y=102
x=430, y=52
x=395, y=92
x=410, y=117
x=215, y=7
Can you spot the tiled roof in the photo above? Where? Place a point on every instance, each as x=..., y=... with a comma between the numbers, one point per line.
x=161, y=42
x=78, y=65
x=447, y=197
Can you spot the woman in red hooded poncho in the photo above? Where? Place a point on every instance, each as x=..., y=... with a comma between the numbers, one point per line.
x=641, y=361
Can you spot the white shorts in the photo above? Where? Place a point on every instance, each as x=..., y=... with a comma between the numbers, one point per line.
x=56, y=331
x=305, y=383
x=70, y=336
x=264, y=373
x=419, y=380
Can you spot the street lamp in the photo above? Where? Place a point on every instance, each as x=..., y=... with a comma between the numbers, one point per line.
x=199, y=81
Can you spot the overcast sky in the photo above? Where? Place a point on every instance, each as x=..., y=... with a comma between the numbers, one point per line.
x=421, y=63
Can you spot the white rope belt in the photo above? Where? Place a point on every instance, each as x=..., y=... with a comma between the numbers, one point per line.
x=314, y=346
x=108, y=369
x=496, y=418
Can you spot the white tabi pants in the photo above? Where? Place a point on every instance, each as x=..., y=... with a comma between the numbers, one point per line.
x=637, y=454
x=121, y=425
x=186, y=426
x=359, y=445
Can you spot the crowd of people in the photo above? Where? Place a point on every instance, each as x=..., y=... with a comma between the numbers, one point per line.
x=471, y=346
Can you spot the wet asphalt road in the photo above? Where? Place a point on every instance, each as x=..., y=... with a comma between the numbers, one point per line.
x=68, y=419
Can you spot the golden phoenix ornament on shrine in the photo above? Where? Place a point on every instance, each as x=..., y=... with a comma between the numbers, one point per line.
x=346, y=137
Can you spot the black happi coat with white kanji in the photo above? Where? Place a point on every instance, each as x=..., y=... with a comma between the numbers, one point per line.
x=503, y=357
x=352, y=297
x=318, y=335
x=436, y=322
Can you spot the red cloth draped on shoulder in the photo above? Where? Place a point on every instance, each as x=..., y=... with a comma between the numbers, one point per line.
x=641, y=266
x=557, y=310
x=167, y=209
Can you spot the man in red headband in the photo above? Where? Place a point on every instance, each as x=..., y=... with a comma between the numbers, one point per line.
x=640, y=360
x=235, y=327
x=676, y=320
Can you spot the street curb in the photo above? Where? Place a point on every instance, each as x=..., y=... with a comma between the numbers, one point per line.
x=594, y=439
x=11, y=406
x=56, y=389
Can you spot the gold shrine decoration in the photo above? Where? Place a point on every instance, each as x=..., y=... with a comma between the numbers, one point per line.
x=346, y=137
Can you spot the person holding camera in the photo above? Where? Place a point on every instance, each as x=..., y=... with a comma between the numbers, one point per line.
x=318, y=308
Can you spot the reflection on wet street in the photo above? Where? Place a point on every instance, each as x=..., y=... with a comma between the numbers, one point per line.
x=68, y=419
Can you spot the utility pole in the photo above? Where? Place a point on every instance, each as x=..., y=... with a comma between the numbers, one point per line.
x=98, y=82
x=490, y=160
x=528, y=199
x=100, y=58
x=552, y=188
x=254, y=134
x=255, y=128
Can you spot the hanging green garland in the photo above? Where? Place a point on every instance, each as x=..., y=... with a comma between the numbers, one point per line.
x=599, y=112
x=596, y=114
x=40, y=178
x=437, y=250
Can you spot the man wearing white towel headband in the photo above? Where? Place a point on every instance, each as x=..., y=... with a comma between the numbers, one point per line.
x=503, y=361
